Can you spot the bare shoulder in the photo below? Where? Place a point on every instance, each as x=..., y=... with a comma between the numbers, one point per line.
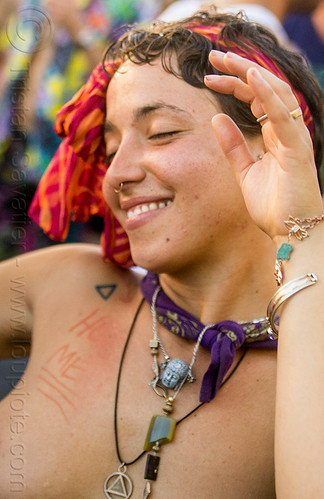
x=41, y=261
x=67, y=264
x=57, y=258
x=60, y=280
x=77, y=273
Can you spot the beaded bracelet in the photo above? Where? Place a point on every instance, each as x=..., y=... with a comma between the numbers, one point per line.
x=297, y=228
x=285, y=292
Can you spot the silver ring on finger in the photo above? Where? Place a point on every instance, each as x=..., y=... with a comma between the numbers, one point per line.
x=262, y=118
x=295, y=113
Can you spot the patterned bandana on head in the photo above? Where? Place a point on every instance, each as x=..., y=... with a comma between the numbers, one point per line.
x=71, y=185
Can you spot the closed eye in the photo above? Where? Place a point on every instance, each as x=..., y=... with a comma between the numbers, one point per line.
x=156, y=136
x=109, y=158
x=163, y=135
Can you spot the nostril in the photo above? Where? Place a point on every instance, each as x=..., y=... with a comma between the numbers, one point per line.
x=121, y=185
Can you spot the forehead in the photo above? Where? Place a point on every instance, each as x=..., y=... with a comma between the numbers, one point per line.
x=134, y=86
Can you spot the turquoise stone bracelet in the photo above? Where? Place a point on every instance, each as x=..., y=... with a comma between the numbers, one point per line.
x=283, y=253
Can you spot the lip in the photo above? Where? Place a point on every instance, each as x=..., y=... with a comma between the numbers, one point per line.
x=142, y=218
x=128, y=204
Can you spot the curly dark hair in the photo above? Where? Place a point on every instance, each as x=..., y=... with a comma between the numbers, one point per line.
x=142, y=45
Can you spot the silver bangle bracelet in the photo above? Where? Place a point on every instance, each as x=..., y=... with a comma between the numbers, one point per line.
x=285, y=292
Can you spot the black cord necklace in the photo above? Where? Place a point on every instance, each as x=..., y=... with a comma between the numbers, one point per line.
x=119, y=484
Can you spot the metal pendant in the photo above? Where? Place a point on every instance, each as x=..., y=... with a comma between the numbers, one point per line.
x=118, y=485
x=174, y=374
x=158, y=388
x=147, y=490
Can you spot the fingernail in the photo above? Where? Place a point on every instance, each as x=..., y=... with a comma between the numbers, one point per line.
x=232, y=54
x=210, y=77
x=216, y=53
x=255, y=73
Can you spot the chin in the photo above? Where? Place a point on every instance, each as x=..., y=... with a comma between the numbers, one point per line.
x=149, y=264
x=160, y=257
x=152, y=261
x=159, y=263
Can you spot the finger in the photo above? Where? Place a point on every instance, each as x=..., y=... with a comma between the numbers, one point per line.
x=234, y=86
x=230, y=85
x=236, y=65
x=289, y=130
x=216, y=57
x=240, y=67
x=233, y=145
x=237, y=84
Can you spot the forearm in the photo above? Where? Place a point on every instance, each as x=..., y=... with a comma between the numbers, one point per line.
x=285, y=178
x=299, y=444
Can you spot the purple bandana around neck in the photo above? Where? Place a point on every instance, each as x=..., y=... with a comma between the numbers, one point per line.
x=222, y=339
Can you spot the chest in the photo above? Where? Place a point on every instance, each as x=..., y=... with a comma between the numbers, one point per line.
x=224, y=449
x=62, y=418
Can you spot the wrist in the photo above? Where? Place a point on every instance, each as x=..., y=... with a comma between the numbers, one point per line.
x=307, y=254
x=299, y=231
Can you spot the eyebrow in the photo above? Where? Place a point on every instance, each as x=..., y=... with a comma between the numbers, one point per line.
x=144, y=111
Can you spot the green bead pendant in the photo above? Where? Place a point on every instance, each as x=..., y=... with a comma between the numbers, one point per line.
x=284, y=251
x=161, y=430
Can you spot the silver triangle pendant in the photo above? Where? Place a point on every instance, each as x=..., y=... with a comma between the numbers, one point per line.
x=118, y=485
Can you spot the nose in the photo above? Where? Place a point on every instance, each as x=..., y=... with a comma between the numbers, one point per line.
x=126, y=167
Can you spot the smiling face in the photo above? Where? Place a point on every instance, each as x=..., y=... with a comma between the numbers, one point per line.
x=179, y=192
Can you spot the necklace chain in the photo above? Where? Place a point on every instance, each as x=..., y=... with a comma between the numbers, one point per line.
x=189, y=376
x=122, y=462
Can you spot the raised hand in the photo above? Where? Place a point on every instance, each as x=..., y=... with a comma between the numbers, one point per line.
x=284, y=182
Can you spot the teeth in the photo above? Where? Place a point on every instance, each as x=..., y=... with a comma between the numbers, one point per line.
x=147, y=207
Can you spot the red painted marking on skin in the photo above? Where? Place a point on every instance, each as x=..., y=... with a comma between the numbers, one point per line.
x=56, y=376
x=64, y=372
x=67, y=361
x=83, y=321
x=57, y=380
x=55, y=402
x=65, y=358
x=89, y=328
x=52, y=385
x=62, y=376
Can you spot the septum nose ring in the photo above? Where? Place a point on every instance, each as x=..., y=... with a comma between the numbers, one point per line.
x=121, y=185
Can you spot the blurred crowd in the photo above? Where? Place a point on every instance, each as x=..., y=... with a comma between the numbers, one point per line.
x=47, y=50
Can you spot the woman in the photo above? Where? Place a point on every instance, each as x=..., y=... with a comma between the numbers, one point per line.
x=102, y=366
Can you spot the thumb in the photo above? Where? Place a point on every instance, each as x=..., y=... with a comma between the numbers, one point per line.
x=233, y=145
